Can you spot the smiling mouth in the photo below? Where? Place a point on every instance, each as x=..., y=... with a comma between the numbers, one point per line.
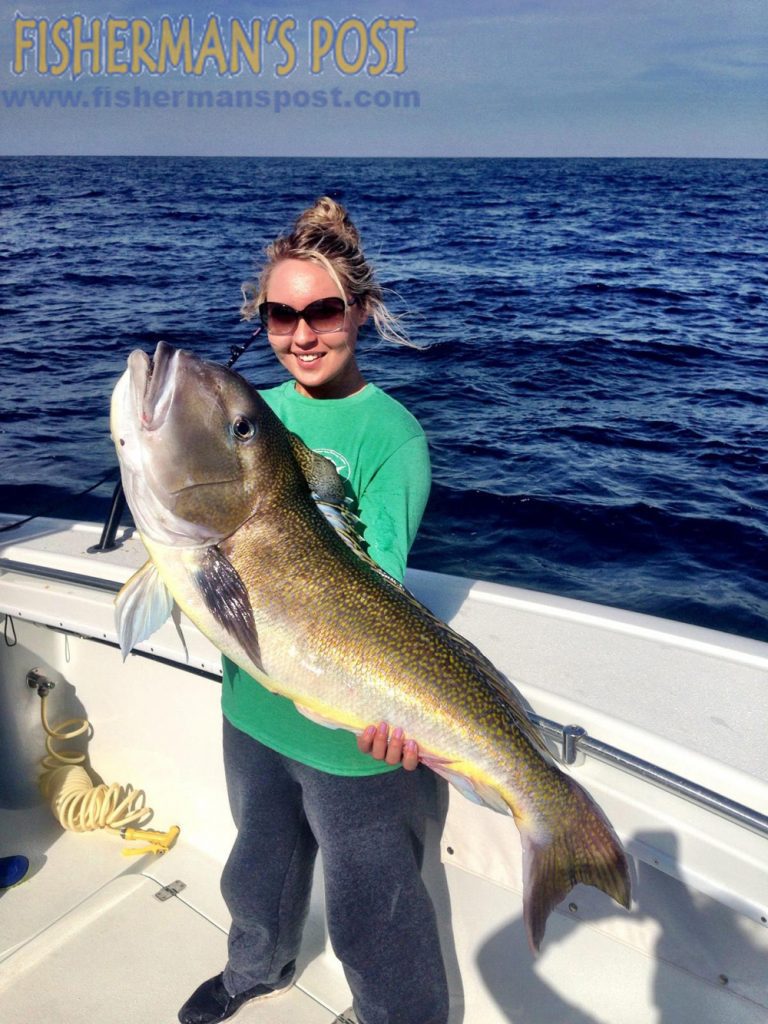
x=308, y=357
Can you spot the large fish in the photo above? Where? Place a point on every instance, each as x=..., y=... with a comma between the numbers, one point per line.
x=234, y=511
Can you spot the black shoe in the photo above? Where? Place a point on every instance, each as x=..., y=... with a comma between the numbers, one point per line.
x=211, y=1002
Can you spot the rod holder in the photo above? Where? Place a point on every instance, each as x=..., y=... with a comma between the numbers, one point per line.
x=108, y=534
x=571, y=736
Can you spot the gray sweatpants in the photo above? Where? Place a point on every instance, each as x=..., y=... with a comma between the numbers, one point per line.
x=380, y=918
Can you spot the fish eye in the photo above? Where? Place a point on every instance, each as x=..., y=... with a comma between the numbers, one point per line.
x=243, y=429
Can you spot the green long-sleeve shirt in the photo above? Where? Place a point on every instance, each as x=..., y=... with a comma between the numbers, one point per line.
x=381, y=454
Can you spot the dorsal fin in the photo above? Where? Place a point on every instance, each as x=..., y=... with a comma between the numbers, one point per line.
x=319, y=472
x=327, y=489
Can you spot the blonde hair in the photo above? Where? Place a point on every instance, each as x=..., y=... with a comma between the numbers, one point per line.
x=325, y=234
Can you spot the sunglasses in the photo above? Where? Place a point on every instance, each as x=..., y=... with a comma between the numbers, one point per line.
x=323, y=316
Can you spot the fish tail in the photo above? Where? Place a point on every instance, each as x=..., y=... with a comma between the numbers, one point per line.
x=581, y=846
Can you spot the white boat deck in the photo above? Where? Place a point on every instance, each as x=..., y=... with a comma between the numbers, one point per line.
x=84, y=939
x=115, y=953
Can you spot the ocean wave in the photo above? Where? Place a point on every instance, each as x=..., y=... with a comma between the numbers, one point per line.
x=88, y=280
x=726, y=397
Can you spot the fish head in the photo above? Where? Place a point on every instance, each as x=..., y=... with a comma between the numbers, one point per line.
x=196, y=445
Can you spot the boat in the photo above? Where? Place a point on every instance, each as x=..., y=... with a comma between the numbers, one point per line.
x=664, y=723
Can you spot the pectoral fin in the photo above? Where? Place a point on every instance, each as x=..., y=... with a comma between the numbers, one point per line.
x=141, y=607
x=227, y=599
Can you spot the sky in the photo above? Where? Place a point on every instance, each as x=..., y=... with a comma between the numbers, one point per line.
x=529, y=78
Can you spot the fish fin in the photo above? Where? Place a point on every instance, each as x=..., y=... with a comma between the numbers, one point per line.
x=226, y=597
x=514, y=706
x=318, y=719
x=320, y=473
x=328, y=494
x=142, y=606
x=583, y=848
x=474, y=790
x=347, y=525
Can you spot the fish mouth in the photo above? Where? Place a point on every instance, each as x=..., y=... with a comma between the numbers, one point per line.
x=155, y=421
x=154, y=383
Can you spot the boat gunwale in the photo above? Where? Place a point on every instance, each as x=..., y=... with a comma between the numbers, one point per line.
x=564, y=735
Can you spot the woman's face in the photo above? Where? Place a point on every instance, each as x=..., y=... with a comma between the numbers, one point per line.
x=323, y=364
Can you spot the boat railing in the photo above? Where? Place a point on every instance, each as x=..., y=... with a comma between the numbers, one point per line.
x=572, y=742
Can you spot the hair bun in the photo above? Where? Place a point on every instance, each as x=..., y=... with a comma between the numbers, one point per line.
x=326, y=217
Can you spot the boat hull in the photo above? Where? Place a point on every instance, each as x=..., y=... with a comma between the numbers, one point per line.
x=693, y=947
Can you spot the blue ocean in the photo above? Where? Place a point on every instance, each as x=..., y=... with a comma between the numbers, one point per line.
x=591, y=371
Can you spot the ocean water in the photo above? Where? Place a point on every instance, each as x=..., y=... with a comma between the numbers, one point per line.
x=592, y=375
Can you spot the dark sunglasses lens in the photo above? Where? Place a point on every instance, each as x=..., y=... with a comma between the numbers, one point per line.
x=325, y=315
x=277, y=318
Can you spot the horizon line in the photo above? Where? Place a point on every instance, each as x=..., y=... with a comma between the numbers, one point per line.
x=379, y=156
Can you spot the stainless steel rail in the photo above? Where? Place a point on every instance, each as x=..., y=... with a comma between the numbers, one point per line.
x=60, y=575
x=573, y=740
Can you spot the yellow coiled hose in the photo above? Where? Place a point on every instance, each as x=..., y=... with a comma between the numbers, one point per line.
x=80, y=806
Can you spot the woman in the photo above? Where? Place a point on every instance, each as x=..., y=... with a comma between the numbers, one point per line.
x=294, y=785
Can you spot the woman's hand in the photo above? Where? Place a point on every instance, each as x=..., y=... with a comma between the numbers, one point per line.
x=392, y=748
